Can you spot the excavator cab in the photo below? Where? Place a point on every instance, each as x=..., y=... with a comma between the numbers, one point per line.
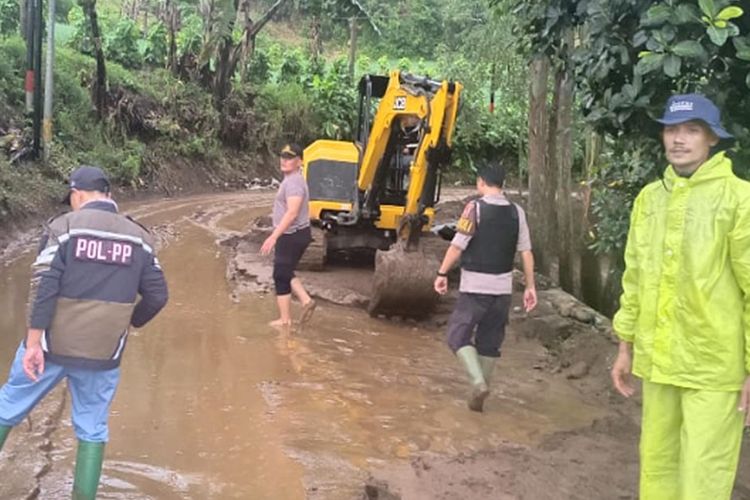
x=378, y=191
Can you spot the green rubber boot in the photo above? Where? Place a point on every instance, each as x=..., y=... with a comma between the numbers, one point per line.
x=4, y=431
x=488, y=366
x=470, y=359
x=88, y=470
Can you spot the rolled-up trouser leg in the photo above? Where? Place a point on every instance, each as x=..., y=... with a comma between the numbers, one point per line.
x=660, y=442
x=711, y=438
x=289, y=251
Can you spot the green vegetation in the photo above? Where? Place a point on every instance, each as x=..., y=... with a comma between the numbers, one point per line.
x=209, y=86
x=197, y=83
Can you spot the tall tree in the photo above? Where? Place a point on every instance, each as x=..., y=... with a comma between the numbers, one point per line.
x=568, y=247
x=99, y=86
x=541, y=204
x=172, y=15
x=545, y=30
x=219, y=48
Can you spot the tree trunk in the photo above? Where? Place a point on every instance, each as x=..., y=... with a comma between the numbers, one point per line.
x=248, y=41
x=99, y=90
x=540, y=218
x=352, y=46
x=549, y=191
x=316, y=43
x=172, y=13
x=229, y=56
x=24, y=5
x=568, y=257
x=222, y=78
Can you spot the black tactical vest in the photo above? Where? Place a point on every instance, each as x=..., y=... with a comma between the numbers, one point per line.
x=492, y=249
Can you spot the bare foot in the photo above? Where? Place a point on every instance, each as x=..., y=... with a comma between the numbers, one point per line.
x=307, y=312
x=279, y=323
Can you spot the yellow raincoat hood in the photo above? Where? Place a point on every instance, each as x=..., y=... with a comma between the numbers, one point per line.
x=686, y=287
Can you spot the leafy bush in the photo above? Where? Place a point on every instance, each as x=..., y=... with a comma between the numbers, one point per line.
x=12, y=64
x=288, y=114
x=23, y=189
x=10, y=15
x=259, y=68
x=121, y=43
x=292, y=66
x=80, y=39
x=62, y=9
x=482, y=136
x=190, y=37
x=409, y=28
x=121, y=161
x=335, y=101
x=626, y=168
x=153, y=49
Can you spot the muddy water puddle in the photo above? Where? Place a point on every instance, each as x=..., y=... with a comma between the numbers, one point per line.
x=215, y=404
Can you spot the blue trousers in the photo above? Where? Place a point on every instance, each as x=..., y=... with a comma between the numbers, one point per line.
x=91, y=391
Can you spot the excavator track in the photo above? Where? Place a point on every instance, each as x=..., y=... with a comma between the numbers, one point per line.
x=314, y=258
x=403, y=283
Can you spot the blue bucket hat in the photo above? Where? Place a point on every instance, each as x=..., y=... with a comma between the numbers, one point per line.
x=686, y=107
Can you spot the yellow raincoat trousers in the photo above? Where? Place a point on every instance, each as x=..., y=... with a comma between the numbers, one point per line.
x=685, y=308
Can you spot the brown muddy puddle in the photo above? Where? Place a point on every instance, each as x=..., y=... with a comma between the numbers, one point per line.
x=215, y=404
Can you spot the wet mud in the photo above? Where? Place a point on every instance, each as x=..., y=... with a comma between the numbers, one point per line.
x=214, y=404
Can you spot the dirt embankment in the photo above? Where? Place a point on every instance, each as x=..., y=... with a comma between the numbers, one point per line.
x=176, y=177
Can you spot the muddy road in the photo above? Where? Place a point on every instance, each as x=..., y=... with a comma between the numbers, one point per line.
x=213, y=404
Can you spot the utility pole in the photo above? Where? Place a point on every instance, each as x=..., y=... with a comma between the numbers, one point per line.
x=49, y=80
x=352, y=46
x=37, y=77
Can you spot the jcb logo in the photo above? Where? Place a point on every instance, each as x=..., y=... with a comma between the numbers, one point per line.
x=399, y=103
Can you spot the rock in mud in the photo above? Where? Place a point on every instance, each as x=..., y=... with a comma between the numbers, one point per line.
x=578, y=371
x=377, y=490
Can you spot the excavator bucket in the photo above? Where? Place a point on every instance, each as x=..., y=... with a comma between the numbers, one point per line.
x=403, y=283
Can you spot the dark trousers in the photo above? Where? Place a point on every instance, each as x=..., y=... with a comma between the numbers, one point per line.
x=479, y=320
x=289, y=250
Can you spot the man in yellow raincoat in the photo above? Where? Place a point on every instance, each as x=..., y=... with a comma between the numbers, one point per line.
x=685, y=311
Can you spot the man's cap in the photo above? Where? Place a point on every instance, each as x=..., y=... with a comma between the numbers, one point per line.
x=291, y=150
x=87, y=178
x=686, y=107
x=493, y=175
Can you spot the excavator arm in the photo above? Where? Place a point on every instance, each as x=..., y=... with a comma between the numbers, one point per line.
x=434, y=106
x=386, y=183
x=402, y=283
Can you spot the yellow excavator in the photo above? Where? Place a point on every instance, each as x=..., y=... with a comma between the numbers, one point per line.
x=378, y=191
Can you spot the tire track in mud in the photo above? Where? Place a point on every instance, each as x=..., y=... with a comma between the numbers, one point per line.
x=51, y=424
x=323, y=384
x=35, y=463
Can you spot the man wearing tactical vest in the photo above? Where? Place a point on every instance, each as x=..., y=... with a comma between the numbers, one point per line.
x=491, y=231
x=91, y=266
